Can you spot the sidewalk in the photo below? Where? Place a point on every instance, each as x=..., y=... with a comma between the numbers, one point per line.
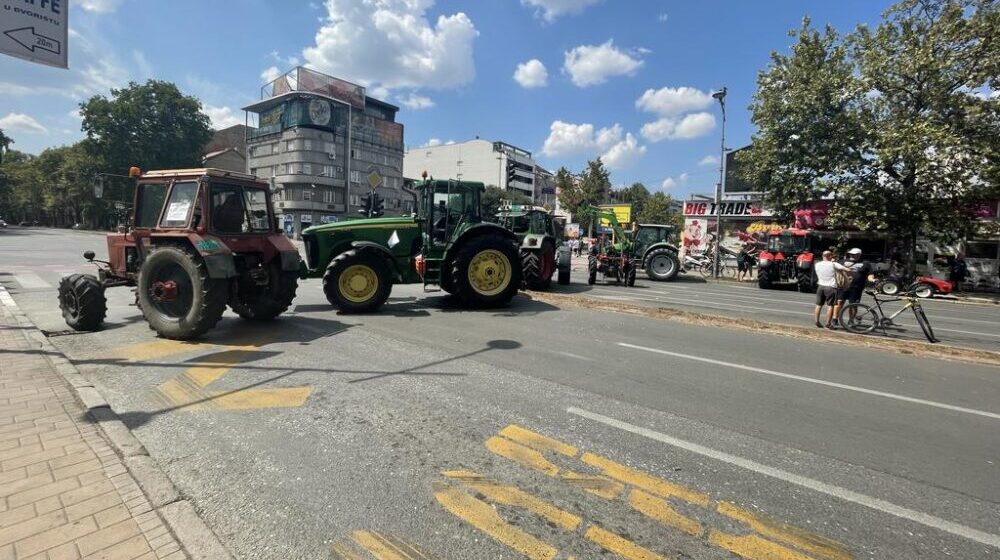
x=64, y=492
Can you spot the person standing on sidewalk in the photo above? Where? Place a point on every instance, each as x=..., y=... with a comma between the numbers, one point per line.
x=826, y=291
x=860, y=270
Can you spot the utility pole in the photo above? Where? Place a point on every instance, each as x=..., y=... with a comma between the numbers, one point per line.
x=720, y=187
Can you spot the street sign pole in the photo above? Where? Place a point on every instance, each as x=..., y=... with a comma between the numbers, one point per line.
x=36, y=31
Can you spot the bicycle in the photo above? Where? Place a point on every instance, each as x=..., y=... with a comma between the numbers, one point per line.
x=860, y=318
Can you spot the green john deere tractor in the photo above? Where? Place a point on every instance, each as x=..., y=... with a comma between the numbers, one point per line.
x=656, y=251
x=613, y=258
x=543, y=252
x=446, y=244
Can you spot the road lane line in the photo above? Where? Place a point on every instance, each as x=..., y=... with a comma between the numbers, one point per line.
x=877, y=504
x=661, y=510
x=833, y=384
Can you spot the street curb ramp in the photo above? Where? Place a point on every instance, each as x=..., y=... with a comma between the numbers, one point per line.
x=177, y=513
x=909, y=347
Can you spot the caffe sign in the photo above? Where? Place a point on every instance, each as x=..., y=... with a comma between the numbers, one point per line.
x=726, y=209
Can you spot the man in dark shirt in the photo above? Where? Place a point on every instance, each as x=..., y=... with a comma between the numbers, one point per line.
x=860, y=270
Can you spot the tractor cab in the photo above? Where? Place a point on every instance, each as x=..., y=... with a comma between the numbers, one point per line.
x=540, y=238
x=447, y=207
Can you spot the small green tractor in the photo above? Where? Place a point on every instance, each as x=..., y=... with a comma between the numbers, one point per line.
x=543, y=252
x=615, y=258
x=656, y=251
x=446, y=244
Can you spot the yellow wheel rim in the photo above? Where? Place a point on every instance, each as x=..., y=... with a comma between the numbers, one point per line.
x=358, y=283
x=489, y=272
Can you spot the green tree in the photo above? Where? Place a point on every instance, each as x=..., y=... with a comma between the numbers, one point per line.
x=593, y=188
x=658, y=209
x=568, y=191
x=152, y=125
x=636, y=194
x=893, y=123
x=5, y=142
x=489, y=203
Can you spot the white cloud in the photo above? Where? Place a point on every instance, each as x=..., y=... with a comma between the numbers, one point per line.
x=672, y=128
x=391, y=43
x=709, y=161
x=589, y=65
x=671, y=182
x=531, y=74
x=270, y=74
x=19, y=122
x=430, y=143
x=142, y=63
x=222, y=117
x=100, y=6
x=624, y=153
x=669, y=101
x=415, y=102
x=662, y=18
x=616, y=148
x=549, y=10
x=75, y=114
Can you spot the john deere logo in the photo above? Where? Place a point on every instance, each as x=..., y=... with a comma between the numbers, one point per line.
x=374, y=178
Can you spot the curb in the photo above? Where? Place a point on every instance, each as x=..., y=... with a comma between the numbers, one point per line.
x=179, y=514
x=909, y=347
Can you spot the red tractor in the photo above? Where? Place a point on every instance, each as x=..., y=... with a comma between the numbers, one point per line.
x=788, y=259
x=196, y=241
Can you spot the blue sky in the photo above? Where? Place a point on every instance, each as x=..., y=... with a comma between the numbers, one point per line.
x=625, y=79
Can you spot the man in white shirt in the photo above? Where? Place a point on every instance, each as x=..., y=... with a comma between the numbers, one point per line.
x=826, y=291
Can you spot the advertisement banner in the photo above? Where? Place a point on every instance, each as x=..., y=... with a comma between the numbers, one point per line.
x=622, y=211
x=727, y=209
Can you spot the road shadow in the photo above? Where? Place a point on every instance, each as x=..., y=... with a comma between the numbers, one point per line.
x=136, y=419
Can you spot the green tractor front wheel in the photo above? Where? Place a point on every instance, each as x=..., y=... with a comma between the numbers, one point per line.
x=486, y=272
x=357, y=282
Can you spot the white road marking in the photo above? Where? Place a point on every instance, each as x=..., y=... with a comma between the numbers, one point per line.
x=30, y=280
x=571, y=355
x=833, y=384
x=877, y=504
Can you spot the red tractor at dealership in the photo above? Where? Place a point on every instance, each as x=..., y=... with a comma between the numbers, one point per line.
x=788, y=259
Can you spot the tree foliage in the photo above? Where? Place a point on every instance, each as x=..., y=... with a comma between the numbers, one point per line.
x=593, y=187
x=152, y=125
x=659, y=209
x=490, y=201
x=896, y=124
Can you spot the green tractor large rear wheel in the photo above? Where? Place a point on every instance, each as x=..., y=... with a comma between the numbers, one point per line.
x=486, y=272
x=357, y=282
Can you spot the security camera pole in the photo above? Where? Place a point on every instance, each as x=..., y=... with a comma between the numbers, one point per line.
x=720, y=96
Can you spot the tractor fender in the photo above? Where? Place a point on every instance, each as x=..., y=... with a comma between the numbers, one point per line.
x=218, y=258
x=381, y=251
x=484, y=228
x=291, y=261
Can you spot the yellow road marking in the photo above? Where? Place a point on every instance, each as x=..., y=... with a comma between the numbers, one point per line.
x=156, y=349
x=480, y=515
x=642, y=480
x=754, y=547
x=804, y=540
x=204, y=375
x=513, y=496
x=379, y=546
x=537, y=441
x=660, y=510
x=341, y=552
x=618, y=545
x=531, y=458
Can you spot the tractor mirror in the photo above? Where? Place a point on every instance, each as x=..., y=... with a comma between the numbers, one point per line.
x=89, y=255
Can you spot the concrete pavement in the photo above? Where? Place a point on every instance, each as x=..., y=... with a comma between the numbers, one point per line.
x=540, y=432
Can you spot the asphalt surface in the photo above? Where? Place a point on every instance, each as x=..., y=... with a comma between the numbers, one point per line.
x=957, y=324
x=322, y=433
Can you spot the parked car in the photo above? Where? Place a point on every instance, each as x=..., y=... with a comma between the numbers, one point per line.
x=3, y=224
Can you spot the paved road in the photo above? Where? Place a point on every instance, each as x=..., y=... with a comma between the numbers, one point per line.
x=539, y=432
x=975, y=326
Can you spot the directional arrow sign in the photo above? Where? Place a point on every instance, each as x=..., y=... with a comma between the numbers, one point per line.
x=35, y=31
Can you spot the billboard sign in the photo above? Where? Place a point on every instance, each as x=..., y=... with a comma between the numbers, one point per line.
x=727, y=209
x=622, y=211
x=35, y=31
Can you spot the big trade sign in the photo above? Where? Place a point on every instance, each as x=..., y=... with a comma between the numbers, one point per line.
x=727, y=209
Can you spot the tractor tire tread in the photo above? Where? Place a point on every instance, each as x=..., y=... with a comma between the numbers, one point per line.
x=92, y=305
x=213, y=300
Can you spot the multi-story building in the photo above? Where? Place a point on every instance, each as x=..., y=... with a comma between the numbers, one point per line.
x=325, y=144
x=492, y=163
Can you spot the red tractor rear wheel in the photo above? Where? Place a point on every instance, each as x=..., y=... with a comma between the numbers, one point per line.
x=178, y=298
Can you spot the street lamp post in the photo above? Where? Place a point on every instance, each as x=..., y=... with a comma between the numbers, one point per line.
x=720, y=96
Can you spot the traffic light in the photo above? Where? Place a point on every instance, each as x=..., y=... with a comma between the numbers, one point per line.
x=378, y=206
x=366, y=205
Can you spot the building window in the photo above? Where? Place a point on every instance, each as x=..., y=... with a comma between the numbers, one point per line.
x=307, y=144
x=327, y=196
x=355, y=200
x=331, y=150
x=355, y=176
x=328, y=170
x=290, y=146
x=307, y=194
x=307, y=168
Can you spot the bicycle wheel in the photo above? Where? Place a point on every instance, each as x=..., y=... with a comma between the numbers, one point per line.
x=705, y=270
x=866, y=318
x=925, y=325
